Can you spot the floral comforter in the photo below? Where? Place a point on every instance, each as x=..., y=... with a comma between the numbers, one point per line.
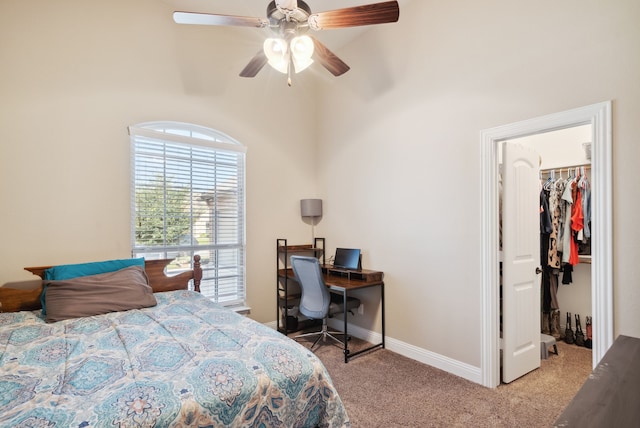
x=186, y=362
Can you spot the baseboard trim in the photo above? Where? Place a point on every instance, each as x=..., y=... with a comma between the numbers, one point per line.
x=449, y=365
x=424, y=356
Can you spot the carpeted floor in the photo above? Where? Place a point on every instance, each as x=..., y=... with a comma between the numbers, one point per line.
x=384, y=389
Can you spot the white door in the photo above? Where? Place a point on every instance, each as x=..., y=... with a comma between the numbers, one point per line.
x=521, y=259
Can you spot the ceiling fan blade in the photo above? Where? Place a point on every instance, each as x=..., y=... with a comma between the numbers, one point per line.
x=213, y=19
x=255, y=65
x=328, y=59
x=377, y=13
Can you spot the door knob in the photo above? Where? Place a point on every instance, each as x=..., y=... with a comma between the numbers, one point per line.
x=538, y=270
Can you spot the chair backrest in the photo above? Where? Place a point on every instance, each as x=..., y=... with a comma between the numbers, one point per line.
x=315, y=299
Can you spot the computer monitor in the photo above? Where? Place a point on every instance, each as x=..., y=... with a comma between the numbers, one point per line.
x=347, y=258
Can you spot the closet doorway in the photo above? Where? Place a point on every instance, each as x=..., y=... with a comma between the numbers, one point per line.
x=565, y=153
x=599, y=117
x=555, y=158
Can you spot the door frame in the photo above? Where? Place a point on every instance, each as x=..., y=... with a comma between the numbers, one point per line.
x=599, y=116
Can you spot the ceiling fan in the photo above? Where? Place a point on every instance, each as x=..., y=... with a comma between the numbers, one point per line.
x=290, y=48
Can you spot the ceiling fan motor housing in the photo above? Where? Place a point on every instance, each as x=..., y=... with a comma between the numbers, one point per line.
x=278, y=18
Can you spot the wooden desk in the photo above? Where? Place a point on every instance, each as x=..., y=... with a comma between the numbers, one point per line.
x=609, y=398
x=344, y=281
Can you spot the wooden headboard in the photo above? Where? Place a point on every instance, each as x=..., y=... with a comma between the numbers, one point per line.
x=27, y=298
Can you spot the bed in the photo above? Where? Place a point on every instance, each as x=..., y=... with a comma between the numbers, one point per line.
x=180, y=360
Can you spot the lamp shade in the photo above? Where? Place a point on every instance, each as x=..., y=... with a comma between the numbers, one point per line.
x=277, y=53
x=301, y=52
x=311, y=207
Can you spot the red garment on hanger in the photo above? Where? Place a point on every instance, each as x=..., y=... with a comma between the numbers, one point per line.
x=577, y=224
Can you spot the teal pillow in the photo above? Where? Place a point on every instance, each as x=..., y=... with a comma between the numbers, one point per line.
x=63, y=272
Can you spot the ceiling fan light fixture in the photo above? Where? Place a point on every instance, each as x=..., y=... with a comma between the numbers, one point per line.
x=301, y=51
x=277, y=53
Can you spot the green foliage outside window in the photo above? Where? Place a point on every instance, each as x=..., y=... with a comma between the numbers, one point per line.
x=161, y=217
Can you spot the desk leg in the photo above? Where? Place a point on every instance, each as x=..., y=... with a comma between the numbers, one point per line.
x=346, y=336
x=348, y=354
x=382, y=306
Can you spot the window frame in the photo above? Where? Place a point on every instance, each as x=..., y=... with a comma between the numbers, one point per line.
x=186, y=138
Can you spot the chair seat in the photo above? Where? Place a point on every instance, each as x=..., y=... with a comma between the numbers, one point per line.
x=336, y=305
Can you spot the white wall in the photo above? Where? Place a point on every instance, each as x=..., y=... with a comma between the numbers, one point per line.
x=561, y=148
x=403, y=126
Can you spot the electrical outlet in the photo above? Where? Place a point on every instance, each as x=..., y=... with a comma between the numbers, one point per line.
x=361, y=309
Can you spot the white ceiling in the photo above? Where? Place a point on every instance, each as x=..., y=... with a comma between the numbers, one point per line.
x=258, y=8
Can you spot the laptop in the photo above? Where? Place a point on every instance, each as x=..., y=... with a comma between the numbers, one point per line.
x=347, y=258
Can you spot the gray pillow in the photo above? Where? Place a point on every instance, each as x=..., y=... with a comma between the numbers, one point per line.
x=85, y=296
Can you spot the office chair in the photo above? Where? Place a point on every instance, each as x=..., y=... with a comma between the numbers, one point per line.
x=316, y=302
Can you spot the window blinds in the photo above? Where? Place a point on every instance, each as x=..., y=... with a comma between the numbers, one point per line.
x=188, y=198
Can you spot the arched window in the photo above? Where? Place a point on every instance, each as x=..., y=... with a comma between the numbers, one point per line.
x=187, y=197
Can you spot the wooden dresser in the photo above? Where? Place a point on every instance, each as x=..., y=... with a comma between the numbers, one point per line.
x=611, y=395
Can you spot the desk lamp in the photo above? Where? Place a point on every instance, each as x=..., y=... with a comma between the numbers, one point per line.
x=312, y=209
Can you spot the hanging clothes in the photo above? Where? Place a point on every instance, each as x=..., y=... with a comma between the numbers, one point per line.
x=545, y=231
x=556, y=187
x=577, y=221
x=564, y=230
x=565, y=214
x=584, y=247
x=569, y=205
x=567, y=198
x=553, y=257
